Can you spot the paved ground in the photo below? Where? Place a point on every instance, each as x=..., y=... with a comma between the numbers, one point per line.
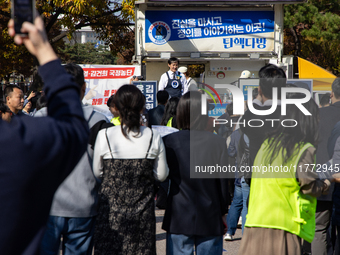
x=229, y=248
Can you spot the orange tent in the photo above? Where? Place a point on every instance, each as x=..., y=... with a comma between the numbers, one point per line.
x=322, y=79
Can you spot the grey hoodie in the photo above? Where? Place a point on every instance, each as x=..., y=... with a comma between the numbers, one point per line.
x=77, y=196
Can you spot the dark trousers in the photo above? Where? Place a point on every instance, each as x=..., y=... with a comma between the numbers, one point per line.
x=322, y=244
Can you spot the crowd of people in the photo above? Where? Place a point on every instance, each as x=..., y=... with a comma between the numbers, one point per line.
x=93, y=181
x=288, y=212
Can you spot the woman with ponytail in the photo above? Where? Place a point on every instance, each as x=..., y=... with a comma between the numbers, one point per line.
x=128, y=159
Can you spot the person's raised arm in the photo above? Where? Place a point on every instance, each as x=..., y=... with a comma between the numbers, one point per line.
x=54, y=144
x=66, y=121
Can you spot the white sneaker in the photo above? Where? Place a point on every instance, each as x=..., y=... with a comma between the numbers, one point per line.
x=239, y=223
x=228, y=237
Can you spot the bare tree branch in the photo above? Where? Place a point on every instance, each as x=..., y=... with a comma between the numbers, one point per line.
x=53, y=19
x=296, y=41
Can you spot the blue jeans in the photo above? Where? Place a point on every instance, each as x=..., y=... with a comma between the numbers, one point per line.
x=235, y=211
x=77, y=236
x=184, y=245
x=245, y=194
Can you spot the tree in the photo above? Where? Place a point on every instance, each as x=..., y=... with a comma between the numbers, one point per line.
x=124, y=54
x=111, y=19
x=12, y=57
x=312, y=32
x=86, y=54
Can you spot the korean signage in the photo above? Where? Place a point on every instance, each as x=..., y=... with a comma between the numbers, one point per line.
x=221, y=31
x=218, y=110
x=102, y=81
x=108, y=73
x=244, y=84
x=245, y=90
x=148, y=88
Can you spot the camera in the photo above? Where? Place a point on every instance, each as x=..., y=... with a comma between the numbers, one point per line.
x=22, y=10
x=138, y=77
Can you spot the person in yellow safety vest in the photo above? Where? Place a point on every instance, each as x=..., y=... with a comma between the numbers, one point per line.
x=283, y=191
x=169, y=124
x=116, y=119
x=169, y=117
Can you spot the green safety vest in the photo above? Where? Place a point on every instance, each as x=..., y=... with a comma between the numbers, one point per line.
x=115, y=121
x=169, y=124
x=275, y=200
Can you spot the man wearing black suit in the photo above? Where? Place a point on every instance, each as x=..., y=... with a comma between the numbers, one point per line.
x=156, y=114
x=271, y=77
x=329, y=116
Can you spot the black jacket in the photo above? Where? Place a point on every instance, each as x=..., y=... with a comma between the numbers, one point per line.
x=195, y=205
x=37, y=155
x=156, y=115
x=257, y=135
x=329, y=116
x=334, y=153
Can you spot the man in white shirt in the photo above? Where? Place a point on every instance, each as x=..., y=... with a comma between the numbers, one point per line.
x=173, y=81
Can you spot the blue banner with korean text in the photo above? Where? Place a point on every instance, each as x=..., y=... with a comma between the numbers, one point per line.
x=148, y=88
x=217, y=110
x=222, y=31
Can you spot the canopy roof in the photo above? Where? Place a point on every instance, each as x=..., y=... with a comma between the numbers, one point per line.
x=322, y=79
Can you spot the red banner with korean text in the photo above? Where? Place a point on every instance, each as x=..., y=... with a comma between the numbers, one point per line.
x=103, y=81
x=108, y=73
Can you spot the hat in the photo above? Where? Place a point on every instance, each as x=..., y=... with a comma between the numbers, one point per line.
x=183, y=69
x=245, y=74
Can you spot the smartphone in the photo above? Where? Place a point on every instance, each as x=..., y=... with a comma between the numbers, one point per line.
x=138, y=77
x=22, y=10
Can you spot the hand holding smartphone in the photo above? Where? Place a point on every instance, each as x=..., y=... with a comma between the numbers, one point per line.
x=22, y=10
